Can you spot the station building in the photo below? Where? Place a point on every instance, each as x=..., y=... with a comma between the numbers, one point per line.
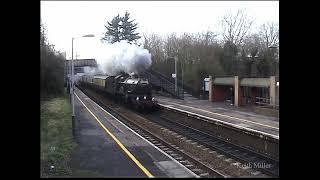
x=245, y=91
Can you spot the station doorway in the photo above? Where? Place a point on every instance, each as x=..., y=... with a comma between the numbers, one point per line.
x=230, y=96
x=223, y=93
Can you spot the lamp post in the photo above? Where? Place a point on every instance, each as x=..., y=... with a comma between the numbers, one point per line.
x=72, y=83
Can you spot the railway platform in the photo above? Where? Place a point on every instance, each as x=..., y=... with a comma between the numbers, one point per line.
x=238, y=117
x=108, y=147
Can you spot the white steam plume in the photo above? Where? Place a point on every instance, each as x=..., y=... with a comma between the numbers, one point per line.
x=120, y=56
x=88, y=70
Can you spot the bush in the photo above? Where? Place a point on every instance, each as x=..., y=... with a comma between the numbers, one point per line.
x=51, y=69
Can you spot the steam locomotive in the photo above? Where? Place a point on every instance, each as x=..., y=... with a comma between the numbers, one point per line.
x=130, y=89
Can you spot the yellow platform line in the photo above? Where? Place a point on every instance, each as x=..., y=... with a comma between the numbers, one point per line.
x=119, y=143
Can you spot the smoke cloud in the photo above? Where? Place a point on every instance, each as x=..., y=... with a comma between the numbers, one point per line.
x=90, y=70
x=120, y=56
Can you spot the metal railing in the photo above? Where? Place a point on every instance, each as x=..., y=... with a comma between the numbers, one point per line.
x=263, y=101
x=266, y=102
x=186, y=88
x=164, y=83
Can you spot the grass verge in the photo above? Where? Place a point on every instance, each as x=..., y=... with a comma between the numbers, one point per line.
x=56, y=137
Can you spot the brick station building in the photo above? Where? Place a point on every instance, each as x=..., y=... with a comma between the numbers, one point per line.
x=244, y=91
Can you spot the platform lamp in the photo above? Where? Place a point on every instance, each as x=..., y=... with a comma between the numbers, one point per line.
x=72, y=83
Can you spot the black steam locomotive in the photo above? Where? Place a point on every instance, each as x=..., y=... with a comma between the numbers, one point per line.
x=130, y=89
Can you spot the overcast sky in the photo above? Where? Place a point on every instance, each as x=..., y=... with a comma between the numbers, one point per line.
x=66, y=19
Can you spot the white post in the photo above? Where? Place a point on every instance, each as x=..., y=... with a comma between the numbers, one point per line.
x=210, y=88
x=273, y=91
x=236, y=90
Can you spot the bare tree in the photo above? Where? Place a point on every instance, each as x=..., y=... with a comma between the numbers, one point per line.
x=236, y=27
x=252, y=48
x=253, y=44
x=154, y=44
x=270, y=34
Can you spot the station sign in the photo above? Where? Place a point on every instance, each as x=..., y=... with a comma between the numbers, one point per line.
x=206, y=84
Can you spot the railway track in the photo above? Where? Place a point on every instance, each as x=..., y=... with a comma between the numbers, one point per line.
x=183, y=144
x=265, y=164
x=178, y=154
x=258, y=142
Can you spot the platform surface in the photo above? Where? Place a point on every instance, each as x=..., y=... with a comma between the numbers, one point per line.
x=237, y=116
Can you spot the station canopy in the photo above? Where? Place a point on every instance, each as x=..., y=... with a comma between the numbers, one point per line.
x=255, y=82
x=248, y=82
x=224, y=81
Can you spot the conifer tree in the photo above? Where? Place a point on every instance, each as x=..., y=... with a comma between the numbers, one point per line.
x=121, y=28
